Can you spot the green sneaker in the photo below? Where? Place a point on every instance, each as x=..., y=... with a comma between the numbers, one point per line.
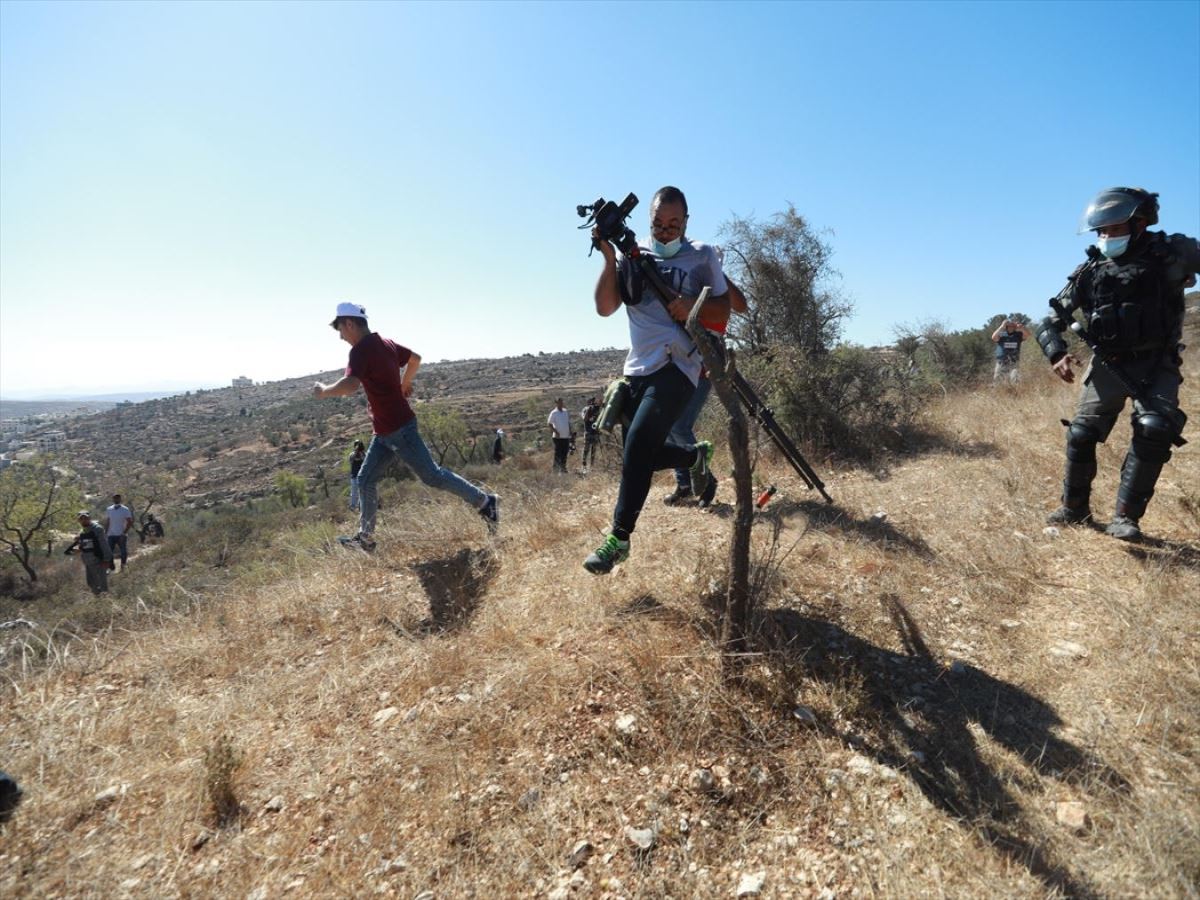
x=699, y=469
x=601, y=560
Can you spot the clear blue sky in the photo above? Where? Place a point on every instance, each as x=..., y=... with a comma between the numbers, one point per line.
x=187, y=189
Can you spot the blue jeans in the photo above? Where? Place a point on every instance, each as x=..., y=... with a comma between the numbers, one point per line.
x=353, y=492
x=406, y=443
x=683, y=432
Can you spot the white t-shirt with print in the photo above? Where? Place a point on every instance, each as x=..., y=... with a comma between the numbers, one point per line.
x=655, y=338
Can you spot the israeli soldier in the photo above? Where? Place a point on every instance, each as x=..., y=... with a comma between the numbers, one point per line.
x=94, y=552
x=1129, y=293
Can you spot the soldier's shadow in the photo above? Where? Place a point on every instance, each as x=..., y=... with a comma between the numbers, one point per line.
x=1165, y=553
x=918, y=719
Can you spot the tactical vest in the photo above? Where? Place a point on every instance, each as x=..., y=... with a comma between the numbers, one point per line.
x=1008, y=348
x=89, y=542
x=1133, y=303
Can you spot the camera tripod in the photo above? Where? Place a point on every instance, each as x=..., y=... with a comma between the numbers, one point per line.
x=747, y=396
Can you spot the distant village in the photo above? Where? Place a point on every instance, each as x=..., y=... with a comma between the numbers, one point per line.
x=24, y=437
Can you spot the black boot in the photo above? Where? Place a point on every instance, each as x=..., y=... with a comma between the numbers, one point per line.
x=1138, y=478
x=1078, y=474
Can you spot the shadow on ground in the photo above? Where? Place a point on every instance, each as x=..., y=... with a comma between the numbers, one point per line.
x=455, y=585
x=923, y=441
x=832, y=518
x=1165, y=553
x=917, y=717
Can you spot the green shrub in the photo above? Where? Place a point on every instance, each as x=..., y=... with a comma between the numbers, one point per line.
x=854, y=402
x=292, y=488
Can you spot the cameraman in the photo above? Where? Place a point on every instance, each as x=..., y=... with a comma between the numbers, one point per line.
x=1007, y=338
x=663, y=364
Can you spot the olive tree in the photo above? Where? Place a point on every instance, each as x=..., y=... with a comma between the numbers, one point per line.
x=35, y=501
x=785, y=270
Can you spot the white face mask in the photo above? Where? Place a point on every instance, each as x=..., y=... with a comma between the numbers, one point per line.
x=1112, y=247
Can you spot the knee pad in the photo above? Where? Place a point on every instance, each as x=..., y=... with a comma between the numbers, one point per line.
x=1081, y=442
x=1152, y=436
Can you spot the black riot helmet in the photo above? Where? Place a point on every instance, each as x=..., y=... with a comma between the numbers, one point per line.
x=1114, y=206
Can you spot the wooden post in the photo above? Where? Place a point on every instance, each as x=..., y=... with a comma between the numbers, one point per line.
x=735, y=628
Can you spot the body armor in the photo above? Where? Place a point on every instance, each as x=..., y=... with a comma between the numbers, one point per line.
x=1132, y=305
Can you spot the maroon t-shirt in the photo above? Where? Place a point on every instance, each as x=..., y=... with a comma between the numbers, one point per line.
x=376, y=362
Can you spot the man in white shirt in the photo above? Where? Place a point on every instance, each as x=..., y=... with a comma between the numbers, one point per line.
x=119, y=520
x=559, y=421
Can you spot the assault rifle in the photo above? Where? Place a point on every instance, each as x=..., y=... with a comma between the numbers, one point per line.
x=610, y=221
x=1142, y=401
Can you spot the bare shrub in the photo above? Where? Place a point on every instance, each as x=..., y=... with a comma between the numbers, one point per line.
x=947, y=357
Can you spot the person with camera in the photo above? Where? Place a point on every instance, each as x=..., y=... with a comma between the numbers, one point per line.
x=1130, y=294
x=1007, y=338
x=663, y=365
x=591, y=431
x=385, y=371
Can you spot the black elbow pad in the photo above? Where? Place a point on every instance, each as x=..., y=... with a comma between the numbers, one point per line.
x=1050, y=339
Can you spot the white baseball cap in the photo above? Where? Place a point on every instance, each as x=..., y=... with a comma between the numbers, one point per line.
x=349, y=309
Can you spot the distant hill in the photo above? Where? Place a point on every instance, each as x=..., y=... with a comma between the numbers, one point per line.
x=227, y=444
x=15, y=409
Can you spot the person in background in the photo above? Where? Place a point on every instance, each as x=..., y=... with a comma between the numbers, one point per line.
x=94, y=552
x=357, y=455
x=498, y=447
x=559, y=421
x=119, y=519
x=1007, y=338
x=591, y=431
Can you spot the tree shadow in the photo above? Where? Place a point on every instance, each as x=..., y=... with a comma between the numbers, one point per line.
x=923, y=441
x=454, y=585
x=915, y=716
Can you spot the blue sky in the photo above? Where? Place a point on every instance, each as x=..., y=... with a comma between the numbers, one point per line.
x=187, y=189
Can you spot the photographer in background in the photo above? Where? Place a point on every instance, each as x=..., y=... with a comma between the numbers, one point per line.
x=663, y=365
x=1008, y=338
x=591, y=431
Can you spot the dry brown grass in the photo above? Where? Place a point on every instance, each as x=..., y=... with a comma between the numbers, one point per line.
x=384, y=748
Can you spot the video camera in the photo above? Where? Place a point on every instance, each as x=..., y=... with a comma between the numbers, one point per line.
x=609, y=220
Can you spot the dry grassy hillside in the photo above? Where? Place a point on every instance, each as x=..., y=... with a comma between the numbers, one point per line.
x=949, y=700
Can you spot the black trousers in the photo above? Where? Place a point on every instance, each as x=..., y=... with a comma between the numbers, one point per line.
x=657, y=401
x=561, y=448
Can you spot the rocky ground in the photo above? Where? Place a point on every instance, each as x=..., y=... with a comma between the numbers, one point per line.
x=946, y=698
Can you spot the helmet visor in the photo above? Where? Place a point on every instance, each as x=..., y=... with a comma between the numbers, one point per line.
x=1109, y=208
